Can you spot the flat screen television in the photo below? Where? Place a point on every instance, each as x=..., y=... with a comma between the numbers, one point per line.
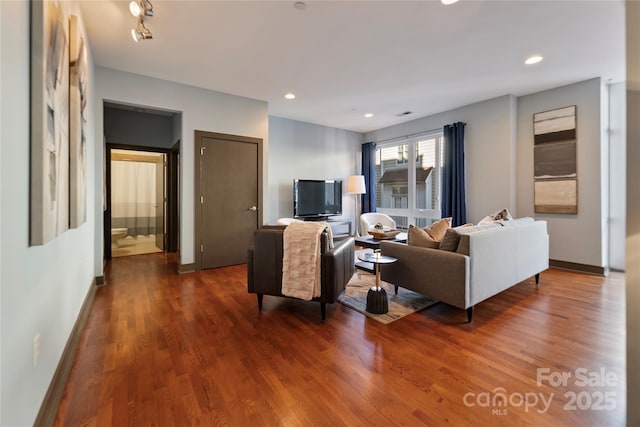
x=316, y=199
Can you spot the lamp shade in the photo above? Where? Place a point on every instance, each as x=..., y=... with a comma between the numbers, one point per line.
x=355, y=185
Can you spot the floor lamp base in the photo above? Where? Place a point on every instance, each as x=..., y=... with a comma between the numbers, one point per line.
x=356, y=219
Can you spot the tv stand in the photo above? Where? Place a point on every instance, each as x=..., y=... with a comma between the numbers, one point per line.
x=337, y=225
x=315, y=218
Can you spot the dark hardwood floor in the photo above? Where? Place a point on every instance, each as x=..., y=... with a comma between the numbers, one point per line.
x=166, y=349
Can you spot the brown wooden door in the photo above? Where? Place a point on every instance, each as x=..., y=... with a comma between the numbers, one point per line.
x=161, y=200
x=229, y=200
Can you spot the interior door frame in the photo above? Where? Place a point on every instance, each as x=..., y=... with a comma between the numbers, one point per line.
x=173, y=209
x=197, y=208
x=171, y=233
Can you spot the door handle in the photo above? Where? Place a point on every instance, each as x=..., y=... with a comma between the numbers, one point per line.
x=252, y=209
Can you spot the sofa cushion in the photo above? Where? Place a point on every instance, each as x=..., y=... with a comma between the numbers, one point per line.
x=463, y=245
x=518, y=221
x=451, y=242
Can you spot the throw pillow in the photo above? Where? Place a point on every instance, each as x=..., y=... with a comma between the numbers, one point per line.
x=438, y=229
x=486, y=220
x=419, y=237
x=502, y=214
x=452, y=238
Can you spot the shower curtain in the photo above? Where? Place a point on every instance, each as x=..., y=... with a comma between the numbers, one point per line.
x=133, y=197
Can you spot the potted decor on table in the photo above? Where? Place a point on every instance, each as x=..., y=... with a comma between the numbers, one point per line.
x=379, y=232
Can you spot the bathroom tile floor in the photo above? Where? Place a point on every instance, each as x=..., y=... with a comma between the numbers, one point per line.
x=137, y=245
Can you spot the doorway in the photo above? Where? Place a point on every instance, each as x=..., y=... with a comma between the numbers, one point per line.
x=138, y=202
x=145, y=130
x=228, y=198
x=141, y=213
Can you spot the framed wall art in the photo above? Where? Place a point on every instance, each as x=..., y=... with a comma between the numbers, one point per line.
x=49, y=163
x=77, y=125
x=555, y=161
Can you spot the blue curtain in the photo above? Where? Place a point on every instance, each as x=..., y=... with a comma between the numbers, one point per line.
x=369, y=172
x=453, y=188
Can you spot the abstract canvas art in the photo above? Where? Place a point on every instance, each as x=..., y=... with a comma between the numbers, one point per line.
x=77, y=125
x=49, y=198
x=555, y=161
x=555, y=125
x=556, y=196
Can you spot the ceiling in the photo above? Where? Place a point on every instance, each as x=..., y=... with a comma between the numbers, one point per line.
x=343, y=59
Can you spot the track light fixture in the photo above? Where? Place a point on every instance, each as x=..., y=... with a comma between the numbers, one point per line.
x=140, y=32
x=141, y=9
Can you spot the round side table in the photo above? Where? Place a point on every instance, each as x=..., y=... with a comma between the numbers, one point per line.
x=377, y=302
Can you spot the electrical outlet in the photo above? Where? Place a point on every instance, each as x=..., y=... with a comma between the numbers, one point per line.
x=36, y=350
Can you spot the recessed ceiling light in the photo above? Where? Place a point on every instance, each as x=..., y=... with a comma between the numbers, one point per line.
x=290, y=96
x=534, y=59
x=368, y=115
x=448, y=2
x=300, y=5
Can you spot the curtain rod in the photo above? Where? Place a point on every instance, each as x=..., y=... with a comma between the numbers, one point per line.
x=413, y=135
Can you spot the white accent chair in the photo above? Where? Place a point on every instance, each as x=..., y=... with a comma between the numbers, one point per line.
x=286, y=221
x=368, y=220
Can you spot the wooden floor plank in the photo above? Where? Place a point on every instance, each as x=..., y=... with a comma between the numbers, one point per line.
x=166, y=349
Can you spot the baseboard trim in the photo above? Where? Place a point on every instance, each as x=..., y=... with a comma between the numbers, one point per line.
x=187, y=268
x=582, y=268
x=49, y=408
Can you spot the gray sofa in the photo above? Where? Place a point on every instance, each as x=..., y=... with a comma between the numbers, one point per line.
x=488, y=259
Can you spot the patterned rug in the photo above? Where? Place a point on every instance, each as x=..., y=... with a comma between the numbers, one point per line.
x=406, y=302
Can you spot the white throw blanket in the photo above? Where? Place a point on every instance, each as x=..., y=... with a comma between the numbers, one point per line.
x=301, y=259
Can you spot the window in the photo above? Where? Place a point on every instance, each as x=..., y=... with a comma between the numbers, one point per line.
x=400, y=196
x=403, y=154
x=408, y=180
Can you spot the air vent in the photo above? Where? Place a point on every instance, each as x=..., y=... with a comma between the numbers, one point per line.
x=406, y=113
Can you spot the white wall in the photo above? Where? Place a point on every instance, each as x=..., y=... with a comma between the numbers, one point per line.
x=201, y=110
x=307, y=151
x=572, y=238
x=489, y=151
x=617, y=175
x=42, y=287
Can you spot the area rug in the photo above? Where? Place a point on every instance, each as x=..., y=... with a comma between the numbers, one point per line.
x=406, y=302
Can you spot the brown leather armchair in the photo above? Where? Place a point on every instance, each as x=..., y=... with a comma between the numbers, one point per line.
x=264, y=266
